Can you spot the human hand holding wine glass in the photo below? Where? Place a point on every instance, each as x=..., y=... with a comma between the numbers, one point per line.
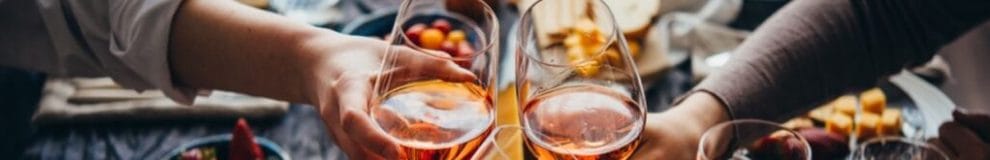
x=343, y=84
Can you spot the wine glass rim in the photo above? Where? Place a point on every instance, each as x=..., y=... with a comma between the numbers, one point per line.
x=897, y=139
x=487, y=42
x=523, y=37
x=701, y=153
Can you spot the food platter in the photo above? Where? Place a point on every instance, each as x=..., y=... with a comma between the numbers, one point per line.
x=924, y=107
x=904, y=106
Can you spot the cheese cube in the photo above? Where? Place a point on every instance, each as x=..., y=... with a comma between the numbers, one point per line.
x=821, y=113
x=890, y=123
x=866, y=125
x=873, y=101
x=845, y=104
x=839, y=123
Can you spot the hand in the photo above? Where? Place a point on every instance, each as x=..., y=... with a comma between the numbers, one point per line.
x=666, y=138
x=674, y=134
x=966, y=137
x=344, y=75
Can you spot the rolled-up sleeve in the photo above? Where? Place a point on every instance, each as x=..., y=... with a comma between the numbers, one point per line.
x=124, y=39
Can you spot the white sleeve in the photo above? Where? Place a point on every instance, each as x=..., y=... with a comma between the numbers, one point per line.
x=124, y=39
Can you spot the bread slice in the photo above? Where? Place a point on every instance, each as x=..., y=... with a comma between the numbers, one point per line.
x=634, y=16
x=554, y=17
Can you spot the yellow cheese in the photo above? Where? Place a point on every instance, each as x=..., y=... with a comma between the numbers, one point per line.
x=873, y=101
x=890, y=123
x=845, y=104
x=822, y=113
x=866, y=125
x=584, y=43
x=839, y=123
x=798, y=123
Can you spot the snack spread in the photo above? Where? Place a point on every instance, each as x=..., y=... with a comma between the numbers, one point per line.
x=839, y=121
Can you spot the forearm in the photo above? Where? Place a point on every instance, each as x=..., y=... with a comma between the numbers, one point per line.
x=219, y=44
x=813, y=50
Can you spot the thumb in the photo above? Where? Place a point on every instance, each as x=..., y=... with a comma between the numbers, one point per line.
x=961, y=141
x=975, y=122
x=365, y=132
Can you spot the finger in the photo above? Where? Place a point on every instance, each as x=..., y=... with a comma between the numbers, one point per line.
x=341, y=139
x=433, y=63
x=960, y=140
x=362, y=129
x=331, y=120
x=359, y=127
x=979, y=123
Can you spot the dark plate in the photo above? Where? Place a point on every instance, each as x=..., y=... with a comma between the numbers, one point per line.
x=221, y=144
x=377, y=24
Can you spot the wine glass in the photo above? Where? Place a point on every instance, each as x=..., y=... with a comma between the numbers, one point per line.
x=578, y=88
x=752, y=139
x=430, y=117
x=894, y=148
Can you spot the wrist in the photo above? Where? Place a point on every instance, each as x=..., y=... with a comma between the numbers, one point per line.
x=316, y=72
x=704, y=109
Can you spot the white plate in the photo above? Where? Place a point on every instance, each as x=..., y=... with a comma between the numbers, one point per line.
x=934, y=105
